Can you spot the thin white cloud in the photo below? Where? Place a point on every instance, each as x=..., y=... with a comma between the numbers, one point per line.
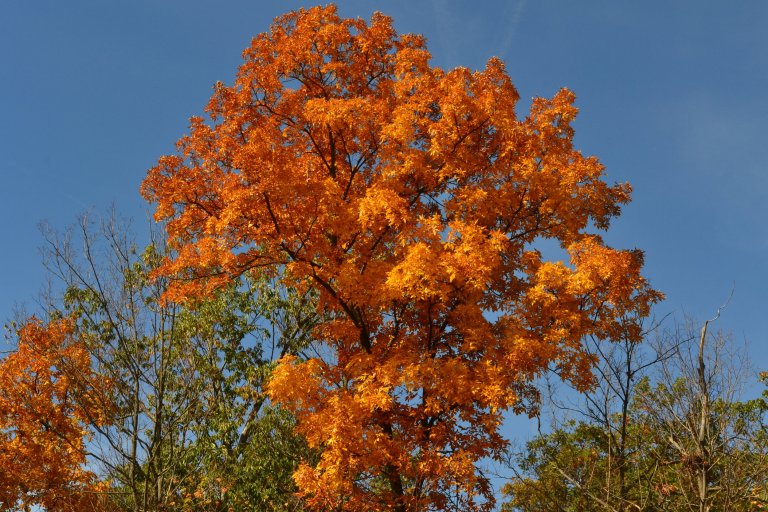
x=455, y=28
x=445, y=20
x=514, y=13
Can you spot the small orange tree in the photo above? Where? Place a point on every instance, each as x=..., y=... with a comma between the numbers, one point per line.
x=413, y=199
x=47, y=397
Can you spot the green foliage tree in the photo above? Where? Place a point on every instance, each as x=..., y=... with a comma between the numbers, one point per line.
x=575, y=468
x=244, y=446
x=559, y=471
x=684, y=422
x=192, y=429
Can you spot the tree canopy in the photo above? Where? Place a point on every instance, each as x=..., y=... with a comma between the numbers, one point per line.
x=413, y=199
x=48, y=397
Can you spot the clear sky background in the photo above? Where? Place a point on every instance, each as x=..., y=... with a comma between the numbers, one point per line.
x=673, y=99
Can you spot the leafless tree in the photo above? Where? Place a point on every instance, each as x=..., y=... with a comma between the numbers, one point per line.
x=711, y=444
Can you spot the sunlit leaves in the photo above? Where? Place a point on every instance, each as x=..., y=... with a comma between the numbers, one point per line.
x=48, y=396
x=413, y=200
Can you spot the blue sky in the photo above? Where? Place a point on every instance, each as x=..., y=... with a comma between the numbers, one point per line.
x=672, y=96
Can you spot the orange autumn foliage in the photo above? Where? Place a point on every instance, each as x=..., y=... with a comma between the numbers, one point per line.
x=413, y=200
x=45, y=404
